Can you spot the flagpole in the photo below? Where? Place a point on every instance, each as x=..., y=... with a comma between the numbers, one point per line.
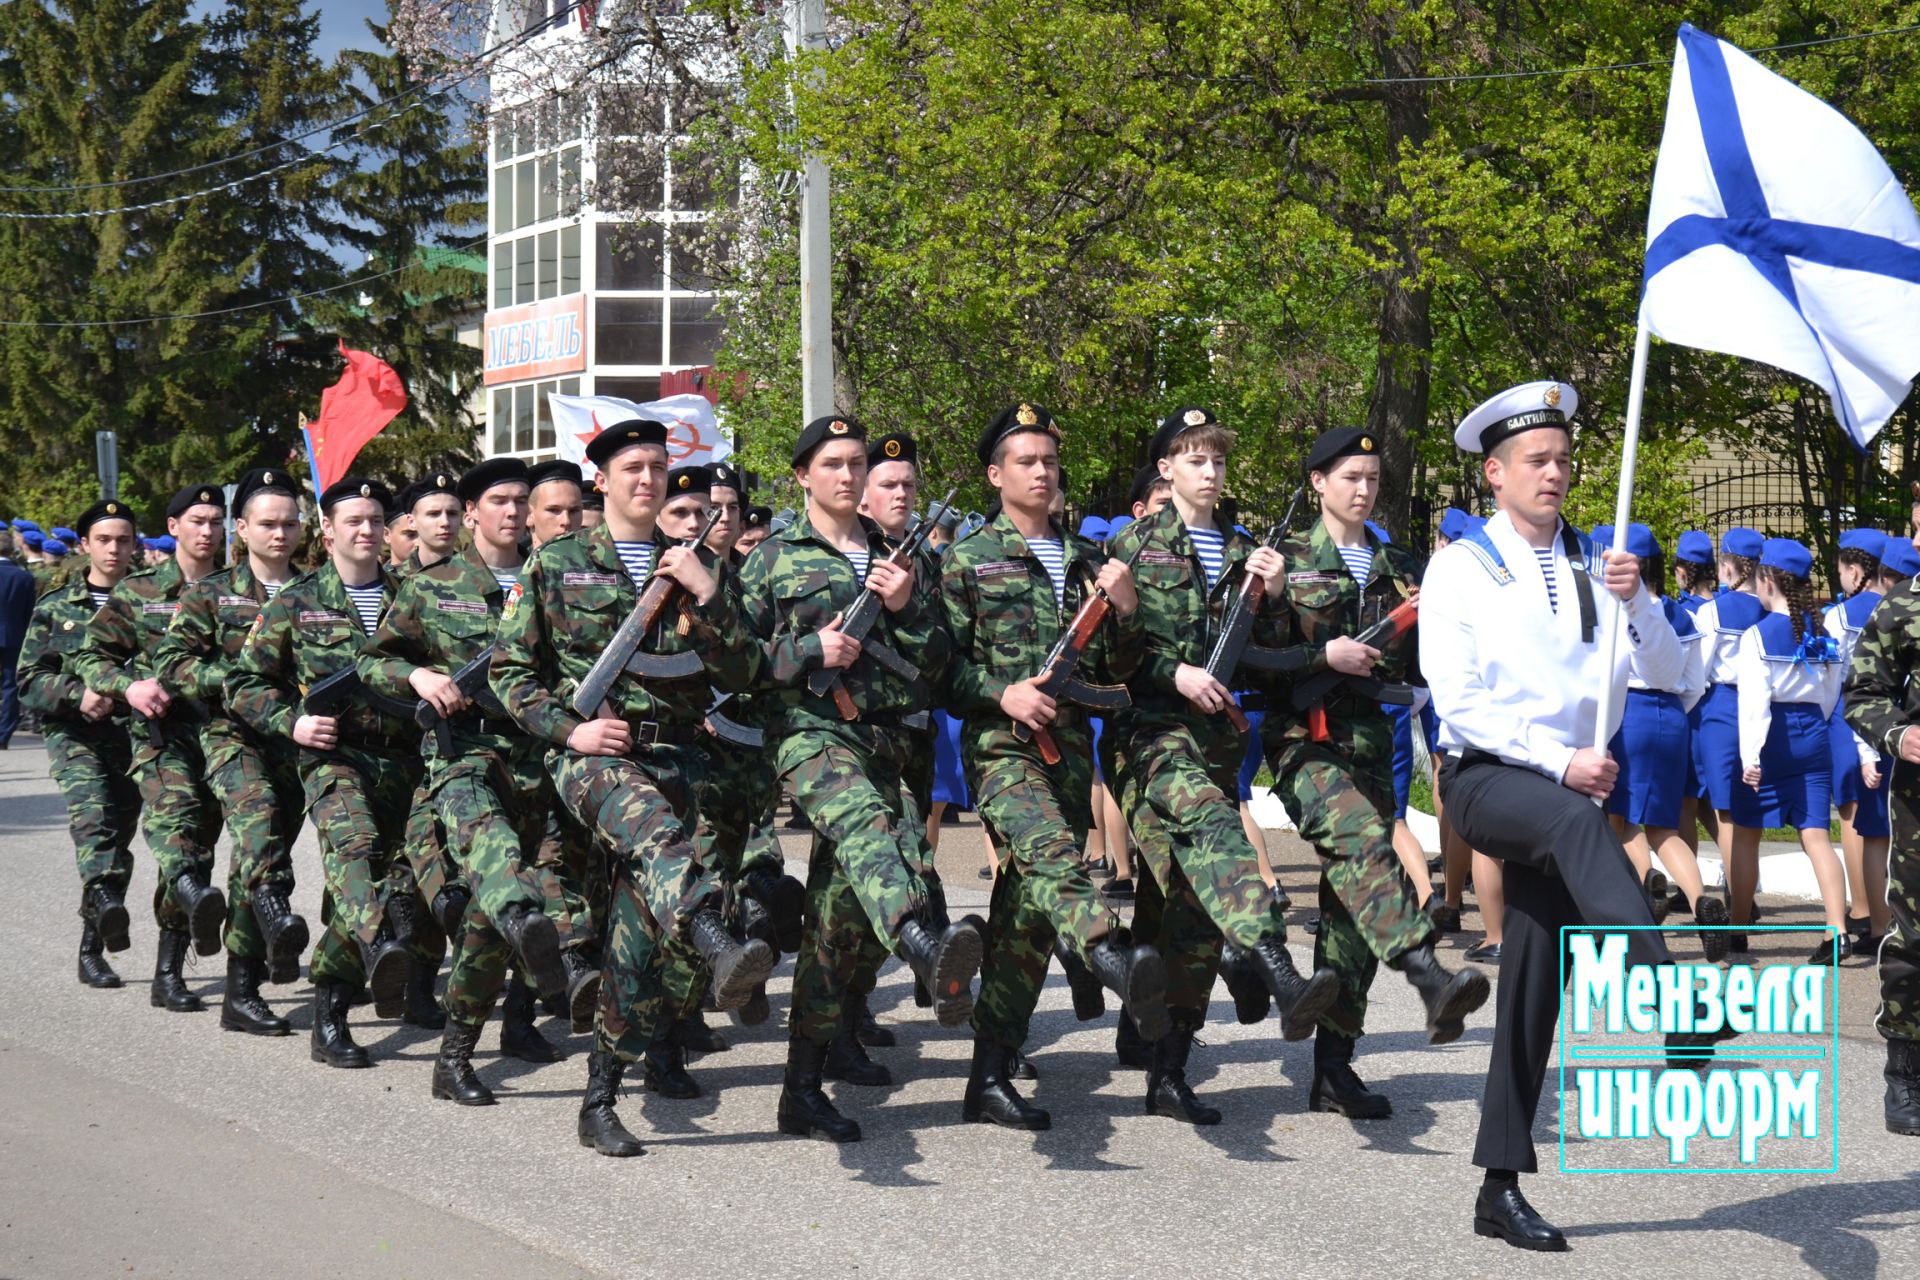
x=1622, y=513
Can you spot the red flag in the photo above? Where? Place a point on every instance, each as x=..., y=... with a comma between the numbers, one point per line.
x=352, y=412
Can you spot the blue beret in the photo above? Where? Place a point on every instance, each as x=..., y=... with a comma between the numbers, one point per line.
x=1641, y=542
x=1867, y=540
x=66, y=535
x=1380, y=531
x=1118, y=523
x=1898, y=556
x=54, y=547
x=1453, y=523
x=34, y=538
x=1787, y=555
x=1601, y=537
x=1694, y=547
x=165, y=542
x=25, y=526
x=1095, y=529
x=1741, y=542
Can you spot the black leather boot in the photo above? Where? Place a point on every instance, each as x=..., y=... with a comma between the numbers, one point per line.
x=1139, y=977
x=101, y=903
x=206, y=909
x=92, y=967
x=449, y=908
x=991, y=1096
x=599, y=1127
x=945, y=966
x=453, y=1077
x=169, y=990
x=331, y=1042
x=423, y=1006
x=1449, y=996
x=805, y=1111
x=583, y=988
x=665, y=1065
x=241, y=1008
x=284, y=932
x=848, y=1061
x=867, y=1027
x=1168, y=1093
x=1903, y=1087
x=1131, y=1048
x=1335, y=1086
x=1089, y=997
x=737, y=967
x=1020, y=1066
x=784, y=899
x=1300, y=1000
x=388, y=964
x=695, y=1036
x=519, y=1038
x=536, y=944
x=1251, y=999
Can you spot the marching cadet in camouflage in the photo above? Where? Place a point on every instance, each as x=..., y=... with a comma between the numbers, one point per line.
x=1173, y=760
x=1009, y=591
x=1883, y=706
x=631, y=772
x=433, y=503
x=182, y=818
x=487, y=783
x=1341, y=578
x=865, y=896
x=358, y=764
x=90, y=754
x=257, y=780
x=553, y=501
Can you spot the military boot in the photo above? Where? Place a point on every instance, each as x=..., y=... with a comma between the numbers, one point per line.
x=847, y=1060
x=599, y=1127
x=1300, y=1000
x=784, y=900
x=388, y=964
x=1251, y=999
x=1903, y=1087
x=449, y=908
x=169, y=989
x=866, y=1026
x=206, y=909
x=92, y=967
x=1449, y=996
x=1139, y=977
x=423, y=1006
x=805, y=1111
x=990, y=1095
x=284, y=932
x=665, y=1069
x=737, y=967
x=453, y=1076
x=102, y=904
x=332, y=1043
x=1168, y=1093
x=583, y=989
x=536, y=944
x=1089, y=997
x=1130, y=1048
x=241, y=1008
x=1336, y=1087
x=519, y=1038
x=695, y=1036
x=944, y=966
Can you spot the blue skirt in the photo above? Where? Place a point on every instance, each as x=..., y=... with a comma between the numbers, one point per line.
x=1796, y=773
x=1251, y=762
x=1402, y=718
x=949, y=782
x=1651, y=748
x=1870, y=805
x=1716, y=744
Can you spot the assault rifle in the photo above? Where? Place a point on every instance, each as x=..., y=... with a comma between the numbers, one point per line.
x=1235, y=645
x=182, y=711
x=471, y=679
x=1310, y=695
x=335, y=695
x=1057, y=679
x=624, y=654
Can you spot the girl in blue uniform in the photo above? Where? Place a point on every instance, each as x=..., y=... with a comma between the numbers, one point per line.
x=1789, y=676
x=1694, y=581
x=1652, y=748
x=1859, y=772
x=1716, y=729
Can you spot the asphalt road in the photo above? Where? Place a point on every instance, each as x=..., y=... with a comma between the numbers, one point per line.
x=141, y=1143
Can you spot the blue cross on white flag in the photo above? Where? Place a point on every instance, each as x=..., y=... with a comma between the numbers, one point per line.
x=1776, y=232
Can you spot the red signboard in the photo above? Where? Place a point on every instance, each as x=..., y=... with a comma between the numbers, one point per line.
x=537, y=340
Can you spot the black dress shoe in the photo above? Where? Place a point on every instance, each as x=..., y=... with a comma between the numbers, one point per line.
x=1832, y=950
x=1484, y=952
x=1715, y=940
x=1502, y=1213
x=1655, y=885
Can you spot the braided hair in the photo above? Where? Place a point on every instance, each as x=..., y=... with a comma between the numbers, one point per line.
x=1653, y=573
x=1695, y=579
x=1744, y=567
x=1798, y=593
x=1868, y=565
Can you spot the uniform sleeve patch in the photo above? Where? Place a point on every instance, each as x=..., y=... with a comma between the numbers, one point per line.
x=1000, y=569
x=589, y=579
x=1161, y=557
x=513, y=598
x=474, y=607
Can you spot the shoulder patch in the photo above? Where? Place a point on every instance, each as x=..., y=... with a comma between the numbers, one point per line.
x=589, y=579
x=513, y=598
x=1162, y=557
x=307, y=617
x=237, y=602
x=999, y=569
x=167, y=607
x=462, y=606
x=1313, y=575
x=259, y=621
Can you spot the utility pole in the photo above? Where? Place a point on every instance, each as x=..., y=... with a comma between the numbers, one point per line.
x=806, y=24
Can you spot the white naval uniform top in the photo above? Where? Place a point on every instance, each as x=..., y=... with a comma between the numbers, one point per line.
x=1692, y=684
x=1509, y=674
x=1769, y=672
x=1743, y=609
x=1839, y=624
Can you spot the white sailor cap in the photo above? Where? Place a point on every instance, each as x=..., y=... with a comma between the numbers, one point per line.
x=1522, y=408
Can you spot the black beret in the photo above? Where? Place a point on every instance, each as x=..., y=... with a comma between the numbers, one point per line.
x=105, y=509
x=1341, y=442
x=558, y=469
x=1012, y=420
x=593, y=499
x=895, y=446
x=835, y=426
x=1175, y=425
x=355, y=487
x=261, y=478
x=757, y=518
x=425, y=487
x=688, y=479
x=630, y=434
x=726, y=475
x=1143, y=481
x=197, y=495
x=482, y=476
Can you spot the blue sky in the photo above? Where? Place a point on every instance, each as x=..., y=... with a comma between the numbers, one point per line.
x=343, y=23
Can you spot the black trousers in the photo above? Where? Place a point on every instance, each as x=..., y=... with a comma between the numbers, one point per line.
x=1564, y=866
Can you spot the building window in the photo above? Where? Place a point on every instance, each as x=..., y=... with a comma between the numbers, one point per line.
x=638, y=390
x=523, y=416
x=628, y=331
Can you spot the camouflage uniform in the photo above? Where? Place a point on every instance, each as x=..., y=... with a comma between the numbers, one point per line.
x=574, y=593
x=357, y=794
x=182, y=819
x=91, y=760
x=1340, y=792
x=1000, y=608
x=256, y=779
x=866, y=875
x=1175, y=771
